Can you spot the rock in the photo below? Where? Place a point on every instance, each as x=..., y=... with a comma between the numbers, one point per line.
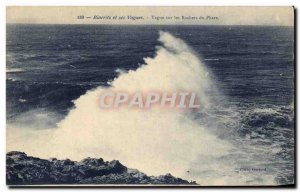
x=92, y=161
x=16, y=155
x=25, y=170
x=117, y=167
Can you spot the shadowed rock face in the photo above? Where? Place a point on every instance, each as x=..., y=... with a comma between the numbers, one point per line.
x=25, y=170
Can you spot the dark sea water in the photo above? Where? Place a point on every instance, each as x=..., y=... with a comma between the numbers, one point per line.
x=49, y=66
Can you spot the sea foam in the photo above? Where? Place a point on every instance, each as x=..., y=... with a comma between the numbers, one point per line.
x=155, y=141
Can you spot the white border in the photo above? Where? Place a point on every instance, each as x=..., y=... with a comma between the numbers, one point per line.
x=155, y=2
x=5, y=3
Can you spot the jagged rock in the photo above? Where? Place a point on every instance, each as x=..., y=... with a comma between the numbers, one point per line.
x=26, y=170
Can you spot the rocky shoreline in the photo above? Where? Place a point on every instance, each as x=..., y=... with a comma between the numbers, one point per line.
x=26, y=170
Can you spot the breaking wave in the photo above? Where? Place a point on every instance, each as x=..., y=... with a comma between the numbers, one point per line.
x=185, y=143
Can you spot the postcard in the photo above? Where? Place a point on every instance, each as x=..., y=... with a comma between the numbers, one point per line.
x=150, y=96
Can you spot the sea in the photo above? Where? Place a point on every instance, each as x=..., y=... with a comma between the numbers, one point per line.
x=50, y=67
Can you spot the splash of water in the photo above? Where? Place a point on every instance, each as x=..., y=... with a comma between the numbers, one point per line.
x=155, y=141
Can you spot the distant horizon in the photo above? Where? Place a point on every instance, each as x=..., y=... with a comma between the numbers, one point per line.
x=220, y=25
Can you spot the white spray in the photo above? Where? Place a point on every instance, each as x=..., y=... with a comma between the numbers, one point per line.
x=155, y=141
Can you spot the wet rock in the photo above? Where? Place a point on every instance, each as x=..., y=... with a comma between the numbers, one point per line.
x=25, y=170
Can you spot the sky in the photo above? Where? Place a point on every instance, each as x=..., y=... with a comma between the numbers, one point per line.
x=218, y=15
